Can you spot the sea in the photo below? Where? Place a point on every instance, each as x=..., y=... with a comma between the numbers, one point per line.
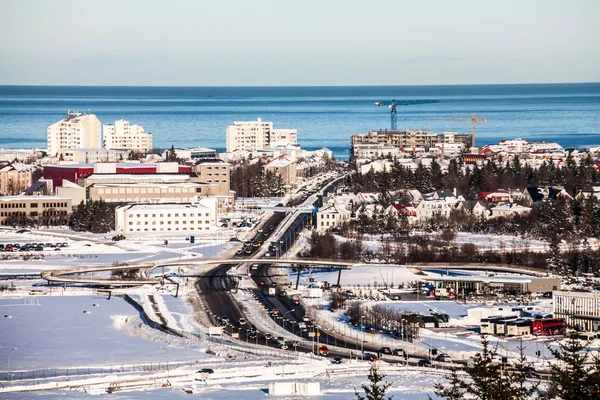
x=568, y=114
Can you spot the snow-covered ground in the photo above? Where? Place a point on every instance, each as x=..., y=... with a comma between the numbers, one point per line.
x=94, y=250
x=55, y=332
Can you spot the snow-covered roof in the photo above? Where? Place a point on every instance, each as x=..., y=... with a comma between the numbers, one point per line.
x=333, y=208
x=32, y=198
x=511, y=207
x=282, y=161
x=163, y=206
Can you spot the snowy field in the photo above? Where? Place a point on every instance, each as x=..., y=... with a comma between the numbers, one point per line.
x=57, y=333
x=93, y=250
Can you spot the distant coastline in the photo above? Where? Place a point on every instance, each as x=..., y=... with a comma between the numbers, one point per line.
x=325, y=116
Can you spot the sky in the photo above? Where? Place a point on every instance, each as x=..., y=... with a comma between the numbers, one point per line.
x=309, y=42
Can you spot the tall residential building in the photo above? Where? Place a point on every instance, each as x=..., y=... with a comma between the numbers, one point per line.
x=255, y=135
x=76, y=131
x=122, y=135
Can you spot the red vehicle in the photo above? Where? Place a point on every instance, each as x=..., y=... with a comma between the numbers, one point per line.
x=548, y=327
x=323, y=350
x=275, y=311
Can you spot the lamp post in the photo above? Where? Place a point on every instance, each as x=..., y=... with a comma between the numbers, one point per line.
x=10, y=351
x=362, y=343
x=292, y=310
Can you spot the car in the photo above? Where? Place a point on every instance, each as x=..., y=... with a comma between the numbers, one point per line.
x=283, y=346
x=370, y=357
x=206, y=371
x=385, y=350
x=242, y=321
x=444, y=358
x=424, y=363
x=398, y=352
x=336, y=360
x=275, y=311
x=261, y=283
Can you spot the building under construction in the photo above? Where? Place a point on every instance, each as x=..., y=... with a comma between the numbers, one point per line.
x=411, y=139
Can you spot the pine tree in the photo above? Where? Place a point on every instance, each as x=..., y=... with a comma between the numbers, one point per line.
x=455, y=390
x=487, y=380
x=376, y=389
x=569, y=378
x=522, y=390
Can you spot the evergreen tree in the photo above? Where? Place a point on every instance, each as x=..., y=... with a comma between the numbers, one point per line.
x=522, y=390
x=376, y=389
x=569, y=378
x=455, y=390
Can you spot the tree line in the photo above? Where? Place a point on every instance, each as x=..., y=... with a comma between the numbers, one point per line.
x=95, y=216
x=251, y=180
x=492, y=175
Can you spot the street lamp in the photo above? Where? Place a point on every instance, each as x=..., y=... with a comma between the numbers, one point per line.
x=292, y=310
x=362, y=343
x=10, y=351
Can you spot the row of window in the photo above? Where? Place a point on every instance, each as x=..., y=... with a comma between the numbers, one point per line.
x=167, y=229
x=144, y=190
x=206, y=222
x=168, y=215
x=33, y=205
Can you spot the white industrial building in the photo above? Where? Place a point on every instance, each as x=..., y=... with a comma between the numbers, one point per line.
x=75, y=131
x=579, y=309
x=123, y=135
x=255, y=135
x=167, y=217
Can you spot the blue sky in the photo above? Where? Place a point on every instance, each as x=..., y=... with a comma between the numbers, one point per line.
x=276, y=42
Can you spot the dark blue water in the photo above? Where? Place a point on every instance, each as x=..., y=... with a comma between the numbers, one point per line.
x=324, y=116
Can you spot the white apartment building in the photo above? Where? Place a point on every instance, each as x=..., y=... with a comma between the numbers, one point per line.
x=75, y=131
x=92, y=156
x=255, y=135
x=580, y=309
x=190, y=217
x=123, y=135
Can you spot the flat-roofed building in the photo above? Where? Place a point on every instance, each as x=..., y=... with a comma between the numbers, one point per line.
x=143, y=188
x=191, y=217
x=255, y=135
x=73, y=172
x=75, y=131
x=123, y=135
x=94, y=155
x=33, y=207
x=580, y=309
x=216, y=174
x=408, y=140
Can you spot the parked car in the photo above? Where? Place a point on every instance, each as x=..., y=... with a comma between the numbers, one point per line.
x=206, y=371
x=444, y=358
x=399, y=352
x=336, y=360
x=370, y=357
x=424, y=363
x=385, y=350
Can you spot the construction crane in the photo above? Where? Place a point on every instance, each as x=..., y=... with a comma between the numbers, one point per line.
x=473, y=120
x=392, y=105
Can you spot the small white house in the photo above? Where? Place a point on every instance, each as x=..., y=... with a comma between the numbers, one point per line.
x=427, y=209
x=509, y=210
x=332, y=216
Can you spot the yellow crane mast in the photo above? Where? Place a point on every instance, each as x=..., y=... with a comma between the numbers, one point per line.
x=473, y=120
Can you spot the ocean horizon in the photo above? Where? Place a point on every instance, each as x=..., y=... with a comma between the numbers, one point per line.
x=325, y=116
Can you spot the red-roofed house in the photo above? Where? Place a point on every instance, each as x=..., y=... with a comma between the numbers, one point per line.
x=498, y=197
